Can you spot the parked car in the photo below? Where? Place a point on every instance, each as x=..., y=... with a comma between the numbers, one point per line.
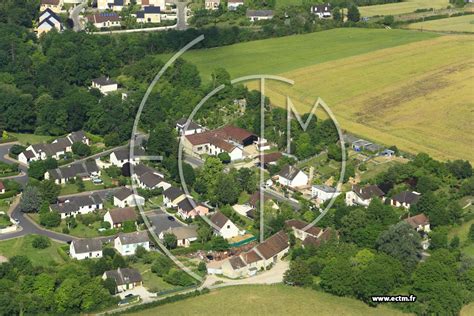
x=171, y=218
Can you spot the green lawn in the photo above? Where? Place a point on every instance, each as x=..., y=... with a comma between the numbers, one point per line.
x=277, y=55
x=268, y=300
x=375, y=169
x=71, y=188
x=22, y=246
x=31, y=138
x=461, y=231
x=5, y=204
x=151, y=281
x=457, y=24
x=407, y=6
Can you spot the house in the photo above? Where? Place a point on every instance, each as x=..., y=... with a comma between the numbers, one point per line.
x=322, y=10
x=53, y=5
x=118, y=216
x=188, y=208
x=230, y=139
x=258, y=15
x=364, y=145
x=405, y=199
x=322, y=193
x=151, y=181
x=127, y=244
x=85, y=170
x=85, y=248
x=172, y=196
x=121, y=156
x=104, y=84
x=125, y=278
x=263, y=256
x=325, y=236
x=184, y=235
x=48, y=20
x=254, y=200
x=149, y=14
x=104, y=20
x=76, y=205
x=155, y=3
x=269, y=159
x=125, y=197
x=211, y=4
x=292, y=177
x=114, y=5
x=419, y=222
x=56, y=149
x=300, y=231
x=232, y=5
x=387, y=153
x=363, y=195
x=223, y=226
x=193, y=128
x=261, y=144
x=2, y=188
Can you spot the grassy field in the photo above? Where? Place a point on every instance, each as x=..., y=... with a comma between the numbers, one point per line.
x=22, y=246
x=457, y=24
x=25, y=139
x=402, y=7
x=467, y=310
x=398, y=87
x=268, y=300
x=278, y=55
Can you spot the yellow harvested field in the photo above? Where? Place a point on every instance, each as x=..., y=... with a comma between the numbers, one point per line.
x=402, y=7
x=418, y=96
x=457, y=24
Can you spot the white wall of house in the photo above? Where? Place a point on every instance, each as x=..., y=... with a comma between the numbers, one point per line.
x=131, y=200
x=300, y=180
x=129, y=249
x=322, y=195
x=228, y=231
x=82, y=256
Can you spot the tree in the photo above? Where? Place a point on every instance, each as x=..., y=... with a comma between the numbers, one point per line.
x=353, y=13
x=204, y=233
x=170, y=241
x=247, y=179
x=118, y=262
x=36, y=169
x=226, y=190
x=30, y=199
x=80, y=184
x=49, y=191
x=471, y=233
x=461, y=169
x=50, y=219
x=110, y=285
x=40, y=242
x=439, y=238
x=388, y=20
x=224, y=157
x=81, y=149
x=162, y=141
x=336, y=14
x=402, y=242
x=161, y=266
x=298, y=274
x=337, y=277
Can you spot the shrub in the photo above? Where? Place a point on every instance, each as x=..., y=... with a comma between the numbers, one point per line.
x=50, y=219
x=40, y=242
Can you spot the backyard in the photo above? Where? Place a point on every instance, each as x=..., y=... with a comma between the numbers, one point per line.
x=23, y=246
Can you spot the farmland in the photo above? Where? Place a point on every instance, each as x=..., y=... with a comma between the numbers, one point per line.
x=457, y=24
x=398, y=87
x=268, y=300
x=402, y=7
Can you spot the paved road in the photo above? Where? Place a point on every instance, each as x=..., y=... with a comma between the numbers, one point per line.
x=193, y=161
x=181, y=7
x=22, y=178
x=74, y=16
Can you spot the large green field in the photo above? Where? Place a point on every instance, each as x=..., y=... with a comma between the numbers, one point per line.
x=464, y=24
x=407, y=6
x=400, y=87
x=278, y=55
x=268, y=300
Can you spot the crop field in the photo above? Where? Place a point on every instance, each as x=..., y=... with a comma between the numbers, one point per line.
x=268, y=300
x=402, y=7
x=463, y=24
x=406, y=88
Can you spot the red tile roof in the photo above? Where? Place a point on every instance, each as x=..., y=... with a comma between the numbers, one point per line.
x=273, y=245
x=417, y=220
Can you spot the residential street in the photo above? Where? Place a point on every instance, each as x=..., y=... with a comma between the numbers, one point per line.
x=74, y=16
x=160, y=221
x=279, y=197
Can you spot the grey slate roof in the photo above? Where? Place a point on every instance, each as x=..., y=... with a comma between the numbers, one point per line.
x=325, y=188
x=87, y=245
x=192, y=125
x=219, y=219
x=260, y=13
x=123, y=276
x=104, y=81
x=123, y=193
x=407, y=197
x=150, y=180
x=288, y=172
x=172, y=193
x=134, y=238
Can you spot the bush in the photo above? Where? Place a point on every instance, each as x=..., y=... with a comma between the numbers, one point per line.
x=81, y=149
x=41, y=242
x=65, y=230
x=50, y=219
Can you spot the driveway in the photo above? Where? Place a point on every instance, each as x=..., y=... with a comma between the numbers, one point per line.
x=160, y=221
x=281, y=198
x=75, y=16
x=272, y=276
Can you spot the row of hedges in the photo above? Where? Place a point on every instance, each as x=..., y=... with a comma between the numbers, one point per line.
x=164, y=301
